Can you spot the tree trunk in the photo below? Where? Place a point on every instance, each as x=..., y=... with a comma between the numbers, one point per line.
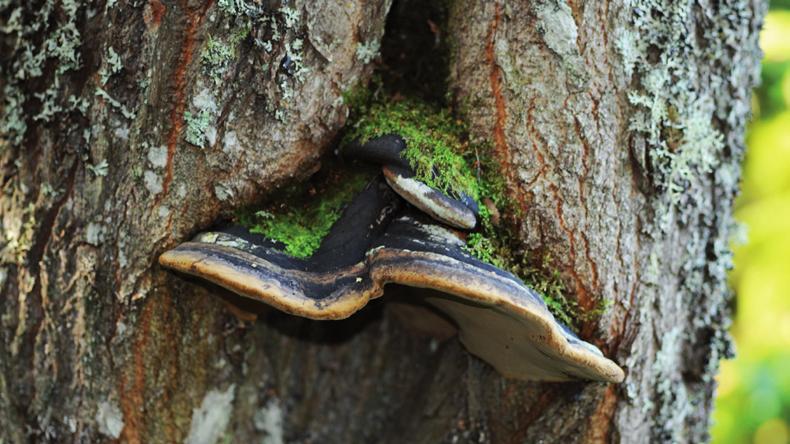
x=128, y=126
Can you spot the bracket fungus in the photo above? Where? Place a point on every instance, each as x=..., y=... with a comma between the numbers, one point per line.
x=399, y=230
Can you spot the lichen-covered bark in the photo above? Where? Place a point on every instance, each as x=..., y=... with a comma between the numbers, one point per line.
x=621, y=126
x=129, y=126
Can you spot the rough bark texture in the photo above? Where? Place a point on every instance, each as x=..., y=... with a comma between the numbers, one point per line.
x=127, y=126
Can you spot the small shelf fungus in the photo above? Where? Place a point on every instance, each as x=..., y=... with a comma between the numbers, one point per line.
x=400, y=230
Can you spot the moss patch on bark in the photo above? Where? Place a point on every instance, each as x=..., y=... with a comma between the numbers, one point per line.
x=304, y=213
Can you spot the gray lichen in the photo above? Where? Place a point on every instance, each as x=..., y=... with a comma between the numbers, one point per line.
x=693, y=74
x=109, y=419
x=200, y=128
x=556, y=23
x=223, y=192
x=269, y=420
x=197, y=127
x=112, y=65
x=235, y=7
x=100, y=169
x=368, y=51
x=153, y=182
x=114, y=103
x=275, y=48
x=27, y=57
x=211, y=418
x=667, y=103
x=12, y=122
x=157, y=156
x=218, y=54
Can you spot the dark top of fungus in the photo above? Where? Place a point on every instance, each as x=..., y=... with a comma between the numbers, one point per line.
x=377, y=241
x=383, y=150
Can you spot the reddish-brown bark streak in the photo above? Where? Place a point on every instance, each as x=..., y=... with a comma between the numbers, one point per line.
x=47, y=225
x=605, y=29
x=171, y=333
x=601, y=419
x=500, y=139
x=617, y=330
x=193, y=19
x=577, y=11
x=132, y=395
x=158, y=11
x=595, y=104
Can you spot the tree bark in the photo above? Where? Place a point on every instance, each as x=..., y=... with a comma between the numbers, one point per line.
x=128, y=126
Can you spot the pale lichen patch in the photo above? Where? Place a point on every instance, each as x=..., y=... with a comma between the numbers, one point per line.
x=182, y=191
x=112, y=65
x=269, y=420
x=223, y=192
x=94, y=233
x=247, y=7
x=114, y=103
x=12, y=120
x=230, y=142
x=157, y=156
x=368, y=51
x=109, y=419
x=555, y=22
x=153, y=182
x=99, y=169
x=121, y=132
x=200, y=129
x=211, y=418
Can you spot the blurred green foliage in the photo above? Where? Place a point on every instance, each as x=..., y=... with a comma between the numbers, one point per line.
x=753, y=402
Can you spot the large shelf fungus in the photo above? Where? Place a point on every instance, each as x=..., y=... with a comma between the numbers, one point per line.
x=391, y=232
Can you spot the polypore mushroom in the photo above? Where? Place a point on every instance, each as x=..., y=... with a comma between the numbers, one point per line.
x=388, y=151
x=379, y=240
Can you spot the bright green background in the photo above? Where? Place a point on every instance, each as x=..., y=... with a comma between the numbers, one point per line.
x=753, y=403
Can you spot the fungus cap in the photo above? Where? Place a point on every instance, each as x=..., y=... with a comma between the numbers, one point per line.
x=378, y=241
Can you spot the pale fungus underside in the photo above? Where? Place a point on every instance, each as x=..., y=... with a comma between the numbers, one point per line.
x=396, y=230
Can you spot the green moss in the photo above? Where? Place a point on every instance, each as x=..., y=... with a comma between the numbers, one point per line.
x=304, y=214
x=494, y=245
x=483, y=248
x=435, y=142
x=548, y=282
